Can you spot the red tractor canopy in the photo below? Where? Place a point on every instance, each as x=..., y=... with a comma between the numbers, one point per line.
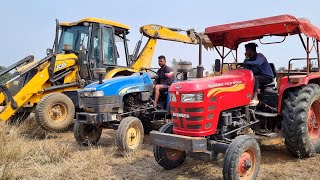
x=231, y=35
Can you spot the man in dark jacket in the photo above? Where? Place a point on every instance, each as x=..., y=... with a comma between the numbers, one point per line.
x=166, y=77
x=260, y=67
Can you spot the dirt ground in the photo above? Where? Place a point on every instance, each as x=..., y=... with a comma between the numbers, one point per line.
x=44, y=155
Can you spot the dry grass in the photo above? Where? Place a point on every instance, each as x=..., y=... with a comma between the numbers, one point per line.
x=27, y=152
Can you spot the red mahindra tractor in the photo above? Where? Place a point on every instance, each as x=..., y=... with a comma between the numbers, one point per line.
x=211, y=116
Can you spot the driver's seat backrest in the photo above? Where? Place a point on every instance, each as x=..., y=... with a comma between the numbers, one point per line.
x=273, y=83
x=273, y=68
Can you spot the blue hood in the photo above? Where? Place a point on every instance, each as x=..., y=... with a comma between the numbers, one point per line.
x=138, y=82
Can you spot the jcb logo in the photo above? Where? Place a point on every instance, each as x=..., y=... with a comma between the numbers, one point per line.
x=155, y=27
x=61, y=66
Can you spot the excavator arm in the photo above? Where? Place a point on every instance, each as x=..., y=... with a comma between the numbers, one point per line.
x=155, y=32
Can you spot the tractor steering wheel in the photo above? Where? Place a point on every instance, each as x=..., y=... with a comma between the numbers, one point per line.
x=152, y=77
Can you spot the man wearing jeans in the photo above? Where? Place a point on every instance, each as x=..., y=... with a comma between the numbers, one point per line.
x=260, y=67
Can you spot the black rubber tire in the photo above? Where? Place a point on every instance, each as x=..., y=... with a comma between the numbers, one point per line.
x=42, y=112
x=86, y=134
x=240, y=145
x=295, y=111
x=122, y=134
x=147, y=127
x=160, y=153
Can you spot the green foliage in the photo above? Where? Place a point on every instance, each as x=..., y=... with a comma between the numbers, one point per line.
x=282, y=68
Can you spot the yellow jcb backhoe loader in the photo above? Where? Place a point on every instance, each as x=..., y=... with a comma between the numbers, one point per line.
x=49, y=87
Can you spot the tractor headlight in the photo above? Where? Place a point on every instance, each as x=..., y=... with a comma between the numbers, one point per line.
x=173, y=98
x=92, y=94
x=196, y=97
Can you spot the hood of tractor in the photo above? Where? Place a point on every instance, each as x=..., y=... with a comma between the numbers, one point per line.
x=138, y=82
x=228, y=81
x=196, y=105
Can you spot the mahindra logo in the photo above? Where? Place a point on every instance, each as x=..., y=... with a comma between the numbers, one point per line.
x=235, y=26
x=178, y=87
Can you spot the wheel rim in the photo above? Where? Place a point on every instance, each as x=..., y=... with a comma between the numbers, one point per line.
x=246, y=164
x=133, y=137
x=313, y=121
x=173, y=154
x=57, y=112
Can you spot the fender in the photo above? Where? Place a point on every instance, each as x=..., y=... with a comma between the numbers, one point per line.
x=121, y=71
x=295, y=81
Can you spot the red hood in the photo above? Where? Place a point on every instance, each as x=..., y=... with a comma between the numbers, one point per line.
x=228, y=79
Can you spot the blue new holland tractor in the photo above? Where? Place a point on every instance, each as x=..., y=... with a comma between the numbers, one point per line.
x=121, y=103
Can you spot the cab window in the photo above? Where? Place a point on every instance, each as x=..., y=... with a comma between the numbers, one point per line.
x=95, y=51
x=120, y=50
x=108, y=46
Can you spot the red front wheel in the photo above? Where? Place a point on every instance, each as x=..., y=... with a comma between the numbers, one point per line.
x=166, y=157
x=242, y=159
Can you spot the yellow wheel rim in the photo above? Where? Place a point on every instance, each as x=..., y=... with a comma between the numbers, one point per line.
x=133, y=137
x=57, y=112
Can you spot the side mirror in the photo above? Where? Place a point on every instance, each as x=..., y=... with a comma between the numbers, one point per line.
x=49, y=51
x=100, y=72
x=217, y=65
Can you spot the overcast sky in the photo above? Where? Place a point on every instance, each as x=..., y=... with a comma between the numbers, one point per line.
x=27, y=27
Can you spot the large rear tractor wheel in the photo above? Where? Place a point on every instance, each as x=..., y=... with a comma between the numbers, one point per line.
x=242, y=159
x=129, y=135
x=301, y=121
x=166, y=157
x=55, y=112
x=86, y=134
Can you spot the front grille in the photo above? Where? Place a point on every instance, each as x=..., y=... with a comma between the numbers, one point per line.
x=194, y=117
x=194, y=109
x=194, y=126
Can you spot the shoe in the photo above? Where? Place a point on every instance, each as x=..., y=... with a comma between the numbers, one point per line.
x=254, y=102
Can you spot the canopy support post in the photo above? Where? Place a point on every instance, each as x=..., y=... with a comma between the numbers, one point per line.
x=308, y=56
x=318, y=56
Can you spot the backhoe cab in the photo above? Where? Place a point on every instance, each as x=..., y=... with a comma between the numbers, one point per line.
x=94, y=42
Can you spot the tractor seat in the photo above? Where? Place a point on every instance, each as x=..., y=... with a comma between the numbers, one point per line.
x=164, y=92
x=273, y=83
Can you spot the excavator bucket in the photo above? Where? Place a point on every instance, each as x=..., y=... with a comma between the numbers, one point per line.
x=206, y=41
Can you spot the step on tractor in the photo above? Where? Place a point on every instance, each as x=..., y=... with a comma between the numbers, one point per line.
x=127, y=107
x=211, y=117
x=50, y=87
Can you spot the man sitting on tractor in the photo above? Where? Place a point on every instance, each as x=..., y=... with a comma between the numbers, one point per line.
x=260, y=67
x=166, y=77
